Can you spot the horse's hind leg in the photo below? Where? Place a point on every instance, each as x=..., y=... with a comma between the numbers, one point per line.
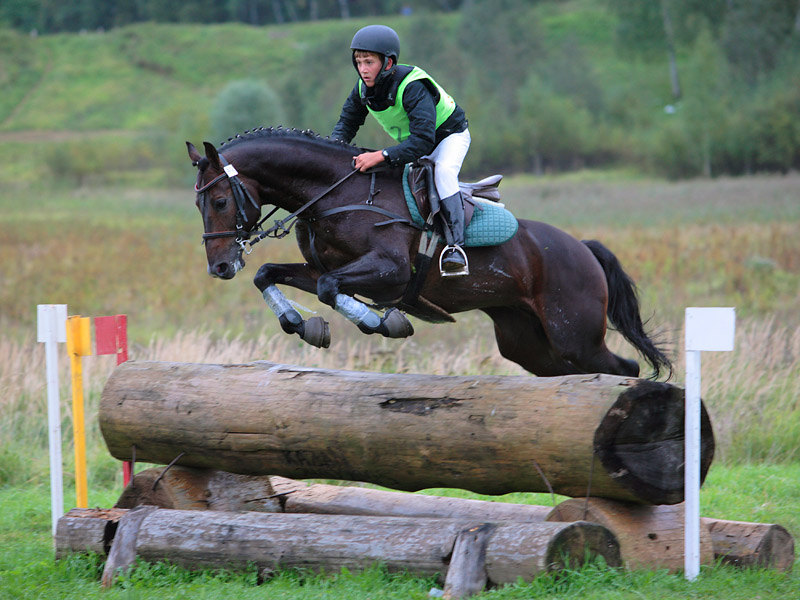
x=565, y=349
x=580, y=340
x=522, y=339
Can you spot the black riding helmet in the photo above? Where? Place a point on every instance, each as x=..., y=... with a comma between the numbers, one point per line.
x=380, y=39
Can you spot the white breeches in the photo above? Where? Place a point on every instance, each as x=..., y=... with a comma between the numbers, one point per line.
x=447, y=158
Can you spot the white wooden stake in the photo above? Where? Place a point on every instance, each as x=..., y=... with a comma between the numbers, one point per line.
x=691, y=471
x=707, y=329
x=52, y=330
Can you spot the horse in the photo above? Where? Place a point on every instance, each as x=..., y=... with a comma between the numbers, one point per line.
x=548, y=294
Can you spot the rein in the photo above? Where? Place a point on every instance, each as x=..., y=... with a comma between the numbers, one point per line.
x=248, y=237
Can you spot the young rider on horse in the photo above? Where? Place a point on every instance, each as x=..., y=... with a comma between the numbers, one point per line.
x=419, y=115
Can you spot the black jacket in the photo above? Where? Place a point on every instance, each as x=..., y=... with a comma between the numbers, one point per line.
x=419, y=102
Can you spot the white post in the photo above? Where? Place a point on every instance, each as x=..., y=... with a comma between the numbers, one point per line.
x=52, y=329
x=691, y=471
x=707, y=329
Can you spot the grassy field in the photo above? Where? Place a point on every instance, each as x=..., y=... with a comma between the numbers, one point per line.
x=755, y=493
x=106, y=251
x=96, y=212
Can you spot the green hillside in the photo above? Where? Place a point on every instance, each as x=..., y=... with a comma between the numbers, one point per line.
x=547, y=87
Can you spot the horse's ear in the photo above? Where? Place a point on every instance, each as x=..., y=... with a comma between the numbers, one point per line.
x=212, y=155
x=193, y=153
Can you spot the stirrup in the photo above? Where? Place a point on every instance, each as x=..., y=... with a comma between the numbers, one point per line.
x=460, y=273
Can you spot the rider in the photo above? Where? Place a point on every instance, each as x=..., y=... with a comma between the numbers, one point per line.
x=419, y=115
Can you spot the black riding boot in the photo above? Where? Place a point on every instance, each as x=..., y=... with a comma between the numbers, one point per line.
x=453, y=260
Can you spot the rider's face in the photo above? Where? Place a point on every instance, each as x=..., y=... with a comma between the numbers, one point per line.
x=369, y=65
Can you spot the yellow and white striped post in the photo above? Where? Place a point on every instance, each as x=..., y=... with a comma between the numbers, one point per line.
x=79, y=345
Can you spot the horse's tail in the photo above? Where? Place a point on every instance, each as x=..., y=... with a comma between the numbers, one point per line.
x=623, y=308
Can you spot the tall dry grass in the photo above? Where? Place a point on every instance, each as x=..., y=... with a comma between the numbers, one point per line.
x=730, y=242
x=750, y=393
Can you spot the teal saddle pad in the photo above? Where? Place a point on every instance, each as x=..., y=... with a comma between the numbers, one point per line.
x=491, y=223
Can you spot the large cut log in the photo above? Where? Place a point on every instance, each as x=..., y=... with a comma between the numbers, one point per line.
x=213, y=539
x=617, y=437
x=757, y=545
x=650, y=537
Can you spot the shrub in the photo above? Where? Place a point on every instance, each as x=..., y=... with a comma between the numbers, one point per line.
x=243, y=105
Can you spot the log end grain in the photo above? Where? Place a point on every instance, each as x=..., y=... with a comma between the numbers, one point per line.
x=640, y=442
x=580, y=542
x=527, y=550
x=86, y=530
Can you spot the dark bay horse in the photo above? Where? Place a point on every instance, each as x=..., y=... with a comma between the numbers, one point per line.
x=547, y=293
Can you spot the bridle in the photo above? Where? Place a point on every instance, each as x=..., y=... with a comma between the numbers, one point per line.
x=247, y=237
x=241, y=197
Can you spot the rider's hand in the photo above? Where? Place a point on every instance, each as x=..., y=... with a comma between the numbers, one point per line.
x=367, y=160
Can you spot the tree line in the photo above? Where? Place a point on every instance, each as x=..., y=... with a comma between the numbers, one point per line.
x=54, y=16
x=678, y=87
x=709, y=87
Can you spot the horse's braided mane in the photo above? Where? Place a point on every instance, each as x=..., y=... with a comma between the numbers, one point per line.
x=261, y=133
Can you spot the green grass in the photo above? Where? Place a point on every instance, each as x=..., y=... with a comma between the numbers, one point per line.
x=763, y=493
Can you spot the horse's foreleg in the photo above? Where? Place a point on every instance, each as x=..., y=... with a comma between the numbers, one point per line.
x=392, y=323
x=369, y=272
x=315, y=330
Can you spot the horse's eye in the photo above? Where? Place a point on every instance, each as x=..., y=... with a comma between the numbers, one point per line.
x=220, y=203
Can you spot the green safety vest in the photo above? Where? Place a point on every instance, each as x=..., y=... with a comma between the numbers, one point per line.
x=394, y=119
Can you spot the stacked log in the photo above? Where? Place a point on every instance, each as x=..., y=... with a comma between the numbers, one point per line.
x=757, y=545
x=185, y=488
x=617, y=437
x=87, y=530
x=649, y=536
x=471, y=553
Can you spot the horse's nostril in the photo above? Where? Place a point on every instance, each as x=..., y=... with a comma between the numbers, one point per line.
x=222, y=268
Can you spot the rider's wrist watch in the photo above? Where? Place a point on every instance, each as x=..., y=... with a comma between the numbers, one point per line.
x=385, y=156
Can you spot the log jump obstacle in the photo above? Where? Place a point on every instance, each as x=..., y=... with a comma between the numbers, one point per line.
x=240, y=431
x=604, y=435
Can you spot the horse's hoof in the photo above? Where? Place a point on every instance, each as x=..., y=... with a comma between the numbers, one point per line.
x=394, y=324
x=316, y=332
x=291, y=321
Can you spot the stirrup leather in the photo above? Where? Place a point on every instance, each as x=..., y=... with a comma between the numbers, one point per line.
x=460, y=273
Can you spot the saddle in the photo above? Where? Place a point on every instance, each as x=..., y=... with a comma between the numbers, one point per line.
x=487, y=221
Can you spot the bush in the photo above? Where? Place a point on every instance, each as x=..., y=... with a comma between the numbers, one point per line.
x=243, y=105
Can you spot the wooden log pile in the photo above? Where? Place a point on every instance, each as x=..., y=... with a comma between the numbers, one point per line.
x=649, y=536
x=237, y=437
x=617, y=437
